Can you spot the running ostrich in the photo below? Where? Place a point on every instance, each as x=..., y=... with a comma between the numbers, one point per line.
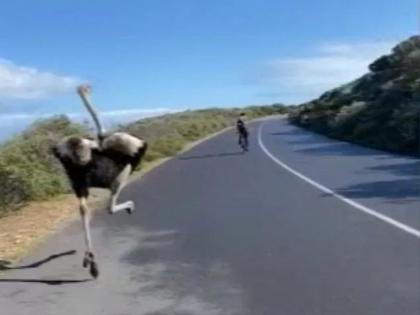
x=105, y=163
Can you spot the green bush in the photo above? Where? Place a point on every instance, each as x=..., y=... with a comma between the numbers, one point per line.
x=28, y=171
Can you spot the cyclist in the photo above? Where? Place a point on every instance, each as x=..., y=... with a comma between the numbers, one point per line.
x=242, y=132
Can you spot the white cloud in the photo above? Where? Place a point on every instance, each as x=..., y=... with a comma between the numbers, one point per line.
x=121, y=115
x=112, y=118
x=16, y=122
x=298, y=79
x=19, y=82
x=136, y=112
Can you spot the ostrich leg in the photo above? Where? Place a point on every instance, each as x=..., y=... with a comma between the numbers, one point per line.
x=89, y=259
x=116, y=188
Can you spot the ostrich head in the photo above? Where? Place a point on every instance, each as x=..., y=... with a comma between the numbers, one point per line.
x=84, y=90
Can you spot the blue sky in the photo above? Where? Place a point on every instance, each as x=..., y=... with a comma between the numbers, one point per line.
x=153, y=56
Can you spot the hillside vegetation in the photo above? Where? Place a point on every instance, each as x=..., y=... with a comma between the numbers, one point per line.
x=28, y=171
x=381, y=109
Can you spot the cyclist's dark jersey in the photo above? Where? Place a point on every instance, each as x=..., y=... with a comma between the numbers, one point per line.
x=240, y=126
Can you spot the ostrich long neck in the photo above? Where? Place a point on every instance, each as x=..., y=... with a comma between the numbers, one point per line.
x=92, y=111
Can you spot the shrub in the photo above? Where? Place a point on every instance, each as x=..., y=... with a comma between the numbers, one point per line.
x=380, y=109
x=28, y=171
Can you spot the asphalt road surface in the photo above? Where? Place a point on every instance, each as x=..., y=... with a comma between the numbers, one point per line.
x=299, y=225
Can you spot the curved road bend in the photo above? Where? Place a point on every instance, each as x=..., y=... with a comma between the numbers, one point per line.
x=219, y=232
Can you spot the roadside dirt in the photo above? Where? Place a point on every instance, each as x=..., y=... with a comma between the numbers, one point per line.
x=22, y=230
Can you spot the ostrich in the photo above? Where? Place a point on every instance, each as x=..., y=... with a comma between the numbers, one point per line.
x=104, y=163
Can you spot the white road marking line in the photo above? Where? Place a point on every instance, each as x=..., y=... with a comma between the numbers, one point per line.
x=358, y=206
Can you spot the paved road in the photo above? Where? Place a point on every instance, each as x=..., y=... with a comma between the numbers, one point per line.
x=219, y=232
